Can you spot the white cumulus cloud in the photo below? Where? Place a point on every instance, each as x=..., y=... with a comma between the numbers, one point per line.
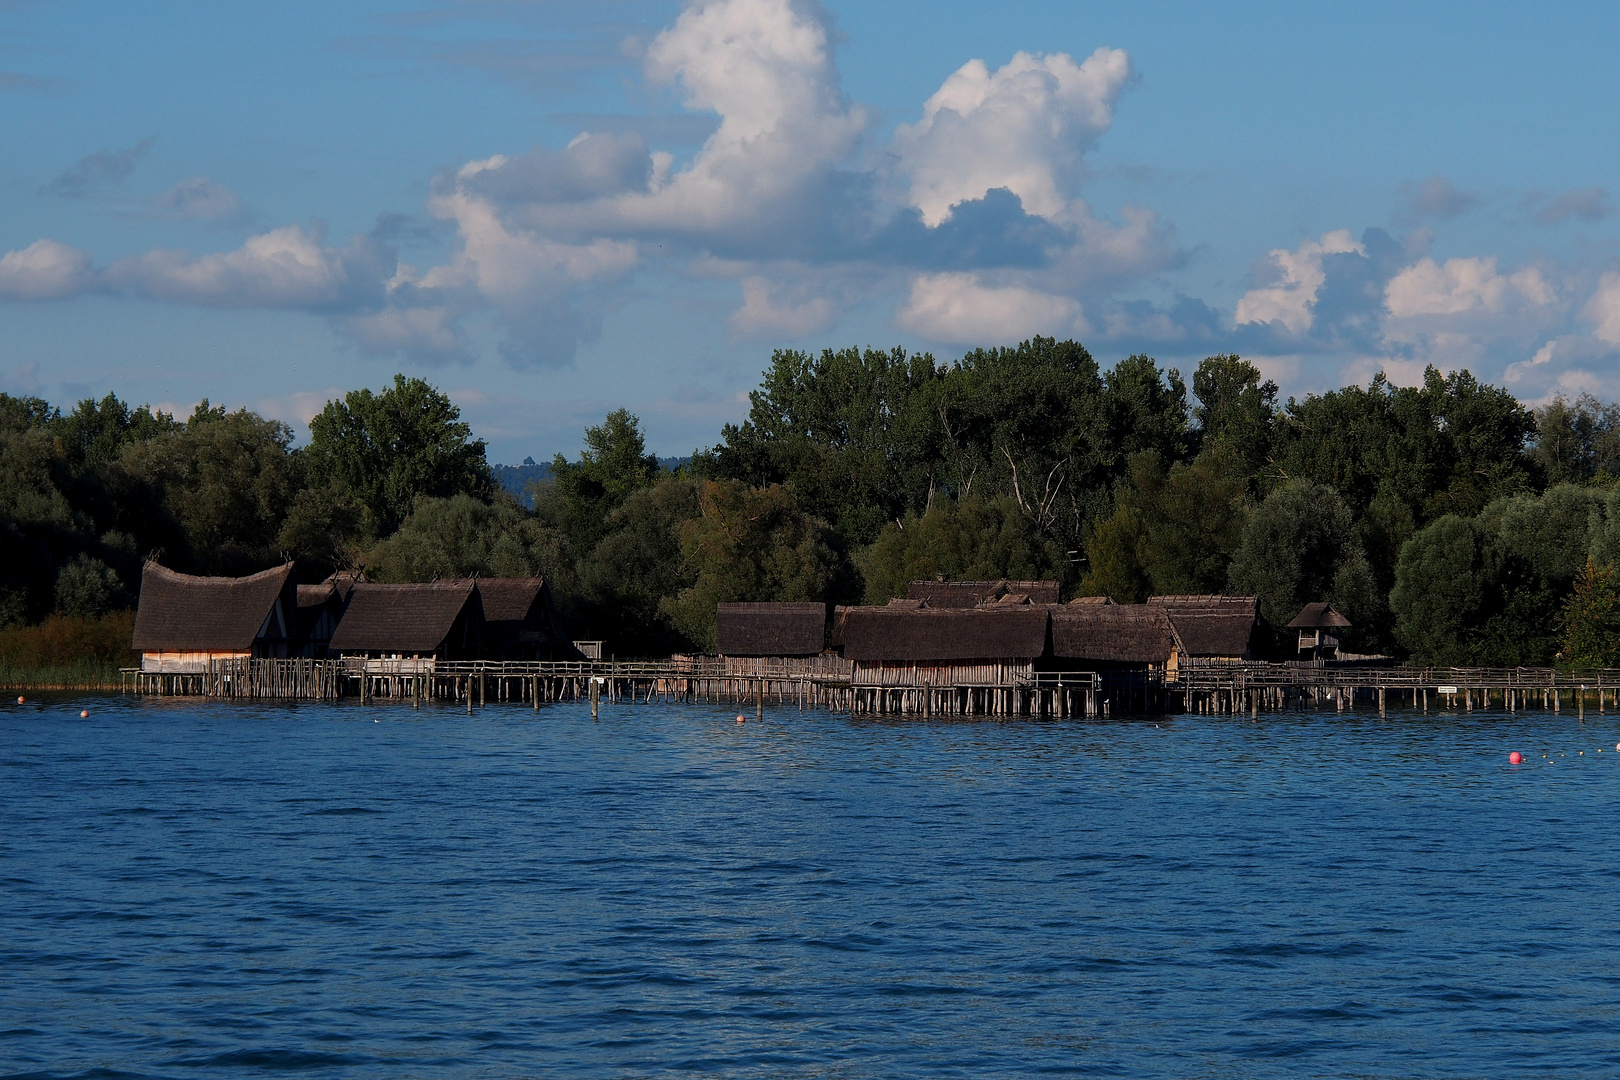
x=44, y=270
x=1025, y=127
x=959, y=308
x=1603, y=309
x=1461, y=285
x=1291, y=297
x=287, y=267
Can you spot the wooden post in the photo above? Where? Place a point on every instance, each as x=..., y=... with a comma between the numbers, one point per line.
x=1380, y=703
x=596, y=697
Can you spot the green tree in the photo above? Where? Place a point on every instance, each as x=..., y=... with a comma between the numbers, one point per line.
x=613, y=465
x=461, y=536
x=751, y=544
x=1031, y=424
x=1440, y=591
x=1147, y=410
x=1591, y=619
x=625, y=578
x=856, y=434
x=227, y=479
x=1173, y=529
x=382, y=451
x=1236, y=411
x=87, y=588
x=95, y=431
x=972, y=540
x=1300, y=545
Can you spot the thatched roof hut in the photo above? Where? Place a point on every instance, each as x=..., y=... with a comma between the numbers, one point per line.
x=1112, y=634
x=1319, y=625
x=441, y=618
x=1214, y=627
x=1319, y=616
x=188, y=618
x=520, y=622
x=883, y=635
x=966, y=594
x=782, y=629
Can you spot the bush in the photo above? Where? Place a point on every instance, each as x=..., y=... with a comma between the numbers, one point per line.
x=61, y=642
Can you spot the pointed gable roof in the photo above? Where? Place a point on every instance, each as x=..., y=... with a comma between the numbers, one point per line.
x=186, y=613
x=1318, y=616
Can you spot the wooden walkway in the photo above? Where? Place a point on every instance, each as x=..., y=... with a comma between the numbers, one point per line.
x=1198, y=687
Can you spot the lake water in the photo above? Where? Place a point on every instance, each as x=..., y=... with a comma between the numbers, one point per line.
x=193, y=890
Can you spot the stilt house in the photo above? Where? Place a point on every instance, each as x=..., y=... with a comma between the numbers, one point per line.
x=407, y=628
x=903, y=645
x=1318, y=626
x=520, y=622
x=183, y=622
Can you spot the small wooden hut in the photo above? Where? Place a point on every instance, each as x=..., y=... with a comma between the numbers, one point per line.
x=183, y=622
x=763, y=630
x=1215, y=627
x=926, y=646
x=1319, y=625
x=414, y=625
x=520, y=622
x=967, y=594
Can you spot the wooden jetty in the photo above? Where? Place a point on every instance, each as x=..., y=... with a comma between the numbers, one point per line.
x=1250, y=687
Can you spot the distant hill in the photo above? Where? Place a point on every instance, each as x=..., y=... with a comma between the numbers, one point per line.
x=517, y=478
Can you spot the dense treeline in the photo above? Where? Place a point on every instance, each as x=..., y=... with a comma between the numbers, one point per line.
x=1449, y=522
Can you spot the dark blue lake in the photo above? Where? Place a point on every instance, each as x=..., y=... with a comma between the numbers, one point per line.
x=192, y=890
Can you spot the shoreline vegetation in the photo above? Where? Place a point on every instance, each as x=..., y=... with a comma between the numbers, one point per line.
x=68, y=653
x=1452, y=524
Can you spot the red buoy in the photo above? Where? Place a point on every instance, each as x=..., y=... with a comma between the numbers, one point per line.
x=21, y=700
x=1515, y=758
x=84, y=714
x=741, y=719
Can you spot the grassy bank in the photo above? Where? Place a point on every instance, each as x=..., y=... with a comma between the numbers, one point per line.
x=67, y=654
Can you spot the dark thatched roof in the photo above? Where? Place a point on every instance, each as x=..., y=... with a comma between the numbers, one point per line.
x=314, y=596
x=771, y=629
x=1208, y=636
x=401, y=618
x=1318, y=616
x=1112, y=633
x=966, y=594
x=509, y=599
x=877, y=635
x=1213, y=626
x=183, y=613
x=1211, y=604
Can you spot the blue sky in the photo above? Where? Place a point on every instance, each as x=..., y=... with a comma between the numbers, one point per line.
x=552, y=210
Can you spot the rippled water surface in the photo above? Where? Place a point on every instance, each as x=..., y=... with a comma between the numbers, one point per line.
x=194, y=890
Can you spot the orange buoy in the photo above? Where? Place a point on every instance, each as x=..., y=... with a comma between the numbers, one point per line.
x=741, y=719
x=84, y=714
x=20, y=700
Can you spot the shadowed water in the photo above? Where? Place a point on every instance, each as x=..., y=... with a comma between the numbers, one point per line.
x=192, y=890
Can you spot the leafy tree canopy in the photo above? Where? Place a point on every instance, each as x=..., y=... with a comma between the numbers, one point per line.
x=385, y=450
